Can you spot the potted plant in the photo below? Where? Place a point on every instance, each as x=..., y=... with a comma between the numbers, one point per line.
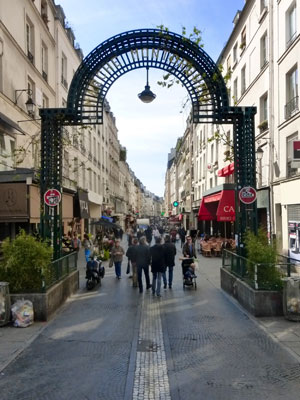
x=263, y=125
x=264, y=254
x=26, y=263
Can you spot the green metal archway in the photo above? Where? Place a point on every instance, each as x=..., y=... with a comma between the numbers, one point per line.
x=145, y=48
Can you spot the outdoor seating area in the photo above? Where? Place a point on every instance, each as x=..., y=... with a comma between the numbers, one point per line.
x=214, y=246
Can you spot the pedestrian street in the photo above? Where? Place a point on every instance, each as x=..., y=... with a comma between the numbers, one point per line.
x=114, y=343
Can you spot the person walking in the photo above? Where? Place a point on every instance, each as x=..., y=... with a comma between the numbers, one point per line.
x=76, y=242
x=131, y=255
x=143, y=259
x=116, y=254
x=88, y=246
x=157, y=265
x=169, y=253
x=188, y=249
x=148, y=234
x=182, y=234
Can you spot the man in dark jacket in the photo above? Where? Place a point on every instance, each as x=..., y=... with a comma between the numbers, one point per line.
x=169, y=254
x=131, y=255
x=157, y=265
x=143, y=259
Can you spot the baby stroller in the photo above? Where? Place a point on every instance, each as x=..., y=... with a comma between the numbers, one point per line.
x=188, y=274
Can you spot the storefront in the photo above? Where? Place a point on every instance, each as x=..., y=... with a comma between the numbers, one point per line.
x=217, y=209
x=81, y=211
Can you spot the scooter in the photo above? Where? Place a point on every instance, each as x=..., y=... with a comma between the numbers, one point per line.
x=95, y=271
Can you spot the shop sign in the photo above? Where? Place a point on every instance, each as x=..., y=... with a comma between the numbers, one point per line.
x=247, y=195
x=52, y=197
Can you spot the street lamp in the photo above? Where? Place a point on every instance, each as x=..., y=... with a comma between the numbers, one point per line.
x=259, y=153
x=147, y=96
x=30, y=106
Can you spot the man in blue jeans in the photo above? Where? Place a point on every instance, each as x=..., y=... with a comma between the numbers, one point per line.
x=169, y=252
x=143, y=259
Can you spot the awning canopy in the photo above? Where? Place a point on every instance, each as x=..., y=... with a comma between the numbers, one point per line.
x=219, y=206
x=10, y=124
x=227, y=170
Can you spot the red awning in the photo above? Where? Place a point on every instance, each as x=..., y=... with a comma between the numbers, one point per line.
x=227, y=170
x=226, y=208
x=218, y=206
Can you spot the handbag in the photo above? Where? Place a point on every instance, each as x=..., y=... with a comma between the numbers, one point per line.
x=128, y=268
x=111, y=262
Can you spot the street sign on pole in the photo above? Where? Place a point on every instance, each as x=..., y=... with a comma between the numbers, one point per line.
x=52, y=197
x=247, y=195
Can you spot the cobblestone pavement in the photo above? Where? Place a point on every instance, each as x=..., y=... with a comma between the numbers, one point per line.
x=113, y=343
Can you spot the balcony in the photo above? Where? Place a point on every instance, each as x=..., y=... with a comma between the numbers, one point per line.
x=291, y=107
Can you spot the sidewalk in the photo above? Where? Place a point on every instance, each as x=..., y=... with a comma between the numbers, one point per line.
x=14, y=340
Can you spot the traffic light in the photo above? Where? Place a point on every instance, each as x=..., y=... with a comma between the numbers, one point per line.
x=175, y=204
x=162, y=213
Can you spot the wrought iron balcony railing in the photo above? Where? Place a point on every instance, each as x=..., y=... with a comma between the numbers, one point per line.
x=291, y=107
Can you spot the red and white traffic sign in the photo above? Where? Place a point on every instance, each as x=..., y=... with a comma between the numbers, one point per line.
x=52, y=197
x=247, y=195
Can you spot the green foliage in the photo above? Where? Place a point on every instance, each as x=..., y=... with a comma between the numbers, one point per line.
x=260, y=251
x=26, y=263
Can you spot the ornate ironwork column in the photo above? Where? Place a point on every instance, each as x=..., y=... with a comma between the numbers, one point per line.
x=245, y=173
x=51, y=175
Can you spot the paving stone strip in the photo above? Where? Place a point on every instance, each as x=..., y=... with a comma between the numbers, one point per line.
x=151, y=377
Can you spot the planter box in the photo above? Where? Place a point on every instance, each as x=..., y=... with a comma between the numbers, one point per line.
x=45, y=304
x=260, y=303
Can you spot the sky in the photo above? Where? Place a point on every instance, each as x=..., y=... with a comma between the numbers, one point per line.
x=149, y=131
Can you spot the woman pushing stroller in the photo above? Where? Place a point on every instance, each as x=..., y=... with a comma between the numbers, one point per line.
x=189, y=253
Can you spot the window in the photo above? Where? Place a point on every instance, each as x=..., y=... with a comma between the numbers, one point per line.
x=264, y=108
x=2, y=144
x=45, y=101
x=289, y=147
x=291, y=25
x=229, y=63
x=76, y=171
x=235, y=90
x=66, y=168
x=291, y=93
x=31, y=88
x=235, y=54
x=263, y=50
x=243, y=39
x=263, y=5
x=44, y=11
x=243, y=79
x=95, y=182
x=90, y=180
x=44, y=62
x=30, y=40
x=64, y=71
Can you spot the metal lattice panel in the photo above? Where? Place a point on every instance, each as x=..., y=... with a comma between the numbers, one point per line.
x=140, y=49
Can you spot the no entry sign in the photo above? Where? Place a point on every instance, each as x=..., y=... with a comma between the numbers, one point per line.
x=52, y=197
x=247, y=195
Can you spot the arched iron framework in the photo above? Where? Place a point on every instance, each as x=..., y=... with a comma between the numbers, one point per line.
x=144, y=48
